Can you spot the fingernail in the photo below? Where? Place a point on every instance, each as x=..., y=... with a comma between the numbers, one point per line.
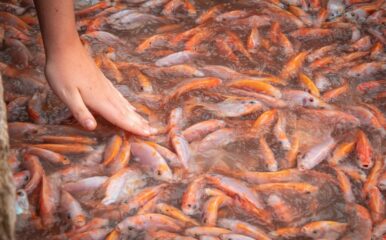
x=90, y=124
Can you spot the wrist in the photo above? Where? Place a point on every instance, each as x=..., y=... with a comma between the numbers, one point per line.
x=62, y=47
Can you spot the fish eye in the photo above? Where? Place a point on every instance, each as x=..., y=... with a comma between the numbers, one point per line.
x=204, y=220
x=26, y=178
x=315, y=232
x=189, y=205
x=252, y=102
x=159, y=172
x=20, y=193
x=365, y=165
x=68, y=216
x=130, y=228
x=308, y=192
x=311, y=99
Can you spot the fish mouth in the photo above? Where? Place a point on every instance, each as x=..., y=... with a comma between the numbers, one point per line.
x=79, y=221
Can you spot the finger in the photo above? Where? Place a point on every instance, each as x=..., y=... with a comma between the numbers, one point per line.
x=119, y=95
x=120, y=115
x=79, y=110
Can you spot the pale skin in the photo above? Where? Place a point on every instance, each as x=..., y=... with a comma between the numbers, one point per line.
x=74, y=77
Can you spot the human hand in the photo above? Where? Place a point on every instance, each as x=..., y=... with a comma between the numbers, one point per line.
x=79, y=83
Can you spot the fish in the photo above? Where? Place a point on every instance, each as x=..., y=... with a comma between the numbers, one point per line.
x=192, y=196
x=247, y=100
x=36, y=170
x=281, y=209
x=255, y=85
x=202, y=230
x=345, y=186
x=376, y=204
x=201, y=129
x=211, y=207
x=193, y=84
x=304, y=79
x=21, y=202
x=73, y=209
x=316, y=154
x=244, y=228
x=49, y=156
x=152, y=161
x=268, y=156
x=230, y=107
x=246, y=195
x=293, y=66
x=280, y=131
x=176, y=213
x=364, y=150
x=147, y=221
x=177, y=58
x=324, y=229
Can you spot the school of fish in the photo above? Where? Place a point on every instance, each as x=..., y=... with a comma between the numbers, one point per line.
x=270, y=117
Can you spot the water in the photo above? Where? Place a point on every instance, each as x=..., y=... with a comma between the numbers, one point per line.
x=242, y=153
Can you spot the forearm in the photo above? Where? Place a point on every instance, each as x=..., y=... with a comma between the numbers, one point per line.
x=57, y=23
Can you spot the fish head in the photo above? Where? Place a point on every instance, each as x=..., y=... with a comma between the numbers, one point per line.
x=79, y=220
x=251, y=104
x=302, y=163
x=190, y=208
x=357, y=15
x=21, y=204
x=312, y=230
x=335, y=8
x=163, y=172
x=310, y=101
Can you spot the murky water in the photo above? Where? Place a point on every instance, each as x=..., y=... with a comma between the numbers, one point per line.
x=312, y=112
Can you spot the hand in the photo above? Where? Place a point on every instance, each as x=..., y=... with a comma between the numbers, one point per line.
x=79, y=83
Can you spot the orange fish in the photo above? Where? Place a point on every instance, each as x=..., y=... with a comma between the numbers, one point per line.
x=157, y=40
x=267, y=155
x=211, y=207
x=341, y=152
x=192, y=85
x=65, y=148
x=376, y=204
x=200, y=37
x=286, y=232
x=345, y=186
x=293, y=66
x=364, y=150
x=257, y=86
x=121, y=159
x=191, y=199
x=280, y=131
x=91, y=9
x=67, y=139
x=335, y=93
x=47, y=202
x=112, y=149
x=281, y=209
x=373, y=176
x=212, y=231
x=264, y=121
x=309, y=84
x=226, y=50
x=49, y=156
x=36, y=170
x=176, y=213
x=291, y=186
x=292, y=154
